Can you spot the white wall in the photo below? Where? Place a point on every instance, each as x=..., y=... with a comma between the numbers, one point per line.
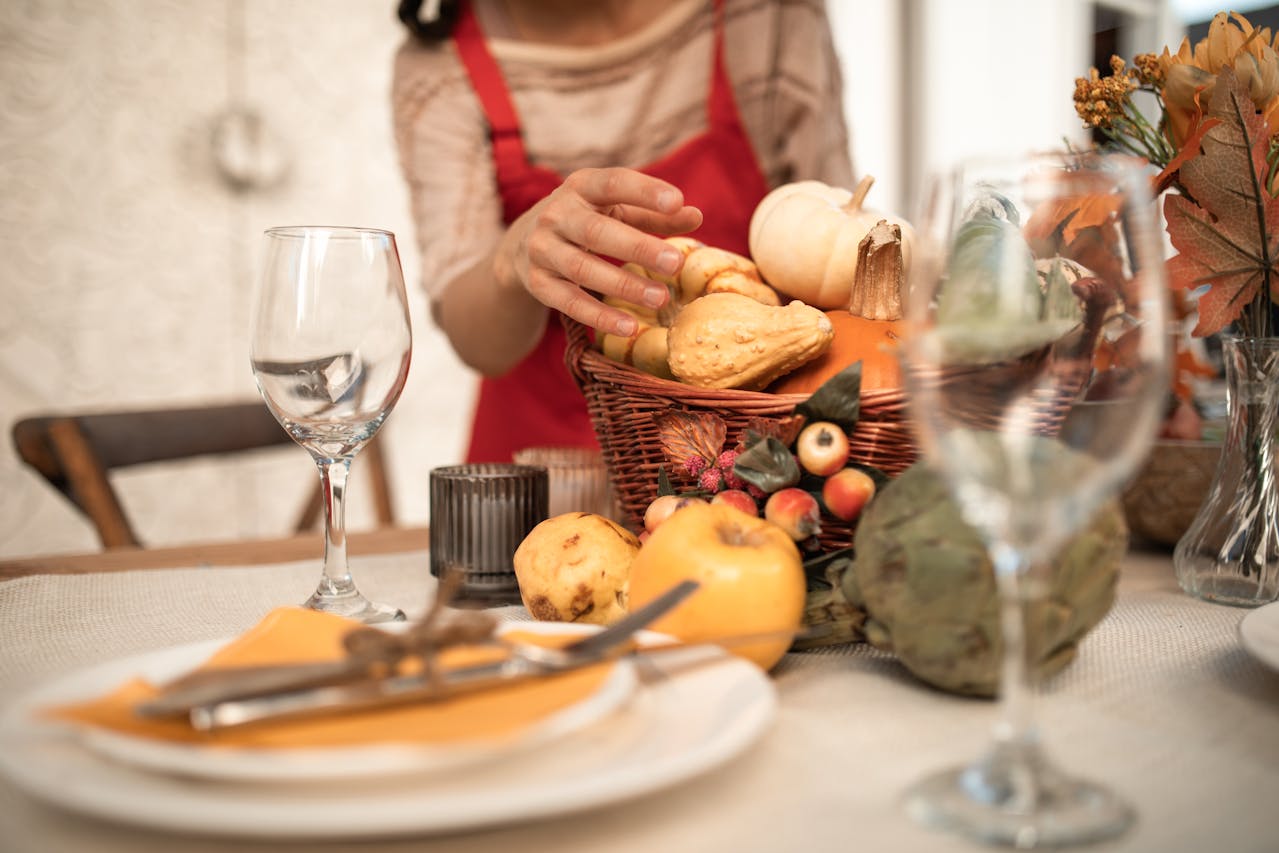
x=868, y=36
x=129, y=263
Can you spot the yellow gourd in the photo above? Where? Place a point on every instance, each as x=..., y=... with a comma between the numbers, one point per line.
x=727, y=340
x=804, y=238
x=706, y=270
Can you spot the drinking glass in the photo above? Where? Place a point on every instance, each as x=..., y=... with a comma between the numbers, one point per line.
x=330, y=349
x=1036, y=368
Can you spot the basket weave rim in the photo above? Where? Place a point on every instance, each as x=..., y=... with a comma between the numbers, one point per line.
x=580, y=355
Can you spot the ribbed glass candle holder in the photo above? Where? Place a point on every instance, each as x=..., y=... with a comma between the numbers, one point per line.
x=480, y=513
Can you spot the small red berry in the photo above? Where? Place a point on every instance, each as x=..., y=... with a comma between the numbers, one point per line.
x=712, y=480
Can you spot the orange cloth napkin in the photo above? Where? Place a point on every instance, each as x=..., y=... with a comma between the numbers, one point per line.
x=295, y=635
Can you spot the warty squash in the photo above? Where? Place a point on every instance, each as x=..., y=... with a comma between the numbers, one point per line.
x=727, y=340
x=706, y=270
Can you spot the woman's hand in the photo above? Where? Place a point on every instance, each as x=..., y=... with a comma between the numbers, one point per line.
x=556, y=251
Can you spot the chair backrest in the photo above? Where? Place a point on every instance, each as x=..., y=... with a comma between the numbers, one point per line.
x=75, y=452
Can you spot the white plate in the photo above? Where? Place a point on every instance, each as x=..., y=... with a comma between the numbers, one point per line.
x=682, y=721
x=300, y=765
x=1259, y=631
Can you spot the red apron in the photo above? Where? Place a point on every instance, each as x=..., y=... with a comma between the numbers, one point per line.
x=537, y=403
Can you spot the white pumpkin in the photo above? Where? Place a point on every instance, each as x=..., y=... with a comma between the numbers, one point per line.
x=804, y=238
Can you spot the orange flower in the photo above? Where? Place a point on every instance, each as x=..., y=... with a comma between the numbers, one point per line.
x=1190, y=75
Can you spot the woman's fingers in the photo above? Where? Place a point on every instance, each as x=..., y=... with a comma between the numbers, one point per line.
x=604, y=188
x=569, y=261
x=685, y=220
x=597, y=215
x=647, y=205
x=570, y=299
x=613, y=234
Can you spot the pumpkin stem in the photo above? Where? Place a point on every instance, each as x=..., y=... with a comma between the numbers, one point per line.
x=877, y=283
x=859, y=194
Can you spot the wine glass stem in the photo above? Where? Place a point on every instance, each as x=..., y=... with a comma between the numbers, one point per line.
x=1016, y=726
x=337, y=574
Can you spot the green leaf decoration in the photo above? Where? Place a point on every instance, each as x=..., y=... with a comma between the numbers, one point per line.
x=993, y=307
x=767, y=464
x=664, y=486
x=838, y=400
x=1060, y=300
x=988, y=251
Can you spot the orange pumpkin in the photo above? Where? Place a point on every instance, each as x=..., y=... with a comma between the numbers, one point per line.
x=868, y=332
x=856, y=339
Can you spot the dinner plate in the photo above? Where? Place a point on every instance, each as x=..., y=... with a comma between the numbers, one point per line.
x=692, y=711
x=1259, y=632
x=302, y=765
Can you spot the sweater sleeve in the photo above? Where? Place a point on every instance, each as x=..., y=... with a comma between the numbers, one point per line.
x=446, y=162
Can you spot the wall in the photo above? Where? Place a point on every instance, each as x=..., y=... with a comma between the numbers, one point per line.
x=129, y=263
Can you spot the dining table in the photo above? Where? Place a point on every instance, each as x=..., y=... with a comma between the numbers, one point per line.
x=1163, y=704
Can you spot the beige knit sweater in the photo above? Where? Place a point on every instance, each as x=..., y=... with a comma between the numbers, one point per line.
x=627, y=103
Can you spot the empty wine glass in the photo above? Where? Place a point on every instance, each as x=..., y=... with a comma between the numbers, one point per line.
x=330, y=349
x=1036, y=368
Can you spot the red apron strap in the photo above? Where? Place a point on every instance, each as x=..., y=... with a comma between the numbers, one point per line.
x=486, y=78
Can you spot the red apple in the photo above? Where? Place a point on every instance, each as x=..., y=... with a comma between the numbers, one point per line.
x=795, y=511
x=822, y=448
x=663, y=506
x=739, y=499
x=847, y=492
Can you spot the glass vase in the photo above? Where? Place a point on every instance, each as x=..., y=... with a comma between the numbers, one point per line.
x=1230, y=553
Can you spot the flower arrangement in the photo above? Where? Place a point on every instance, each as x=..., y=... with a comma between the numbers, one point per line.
x=1216, y=144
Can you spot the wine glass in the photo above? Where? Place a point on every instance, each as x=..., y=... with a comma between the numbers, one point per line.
x=1036, y=368
x=330, y=348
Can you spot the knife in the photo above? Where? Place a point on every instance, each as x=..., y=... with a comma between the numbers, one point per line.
x=522, y=664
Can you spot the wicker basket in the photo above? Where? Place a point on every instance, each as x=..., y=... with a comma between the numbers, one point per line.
x=1163, y=498
x=622, y=402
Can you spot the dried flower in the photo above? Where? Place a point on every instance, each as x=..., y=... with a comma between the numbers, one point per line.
x=1191, y=74
x=1195, y=143
x=1106, y=103
x=1147, y=71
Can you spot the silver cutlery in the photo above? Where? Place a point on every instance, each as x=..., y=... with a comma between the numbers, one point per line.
x=242, y=698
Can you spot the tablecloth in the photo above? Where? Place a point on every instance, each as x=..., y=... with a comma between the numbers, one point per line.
x=1163, y=704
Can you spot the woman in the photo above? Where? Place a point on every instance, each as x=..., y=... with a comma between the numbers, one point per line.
x=541, y=137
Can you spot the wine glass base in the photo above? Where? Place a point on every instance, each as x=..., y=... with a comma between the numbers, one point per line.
x=978, y=803
x=354, y=606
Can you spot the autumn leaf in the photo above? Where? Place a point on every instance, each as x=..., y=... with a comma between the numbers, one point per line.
x=784, y=429
x=688, y=434
x=1190, y=150
x=1062, y=218
x=1186, y=367
x=1225, y=240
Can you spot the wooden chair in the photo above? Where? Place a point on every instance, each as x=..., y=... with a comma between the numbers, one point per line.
x=76, y=452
